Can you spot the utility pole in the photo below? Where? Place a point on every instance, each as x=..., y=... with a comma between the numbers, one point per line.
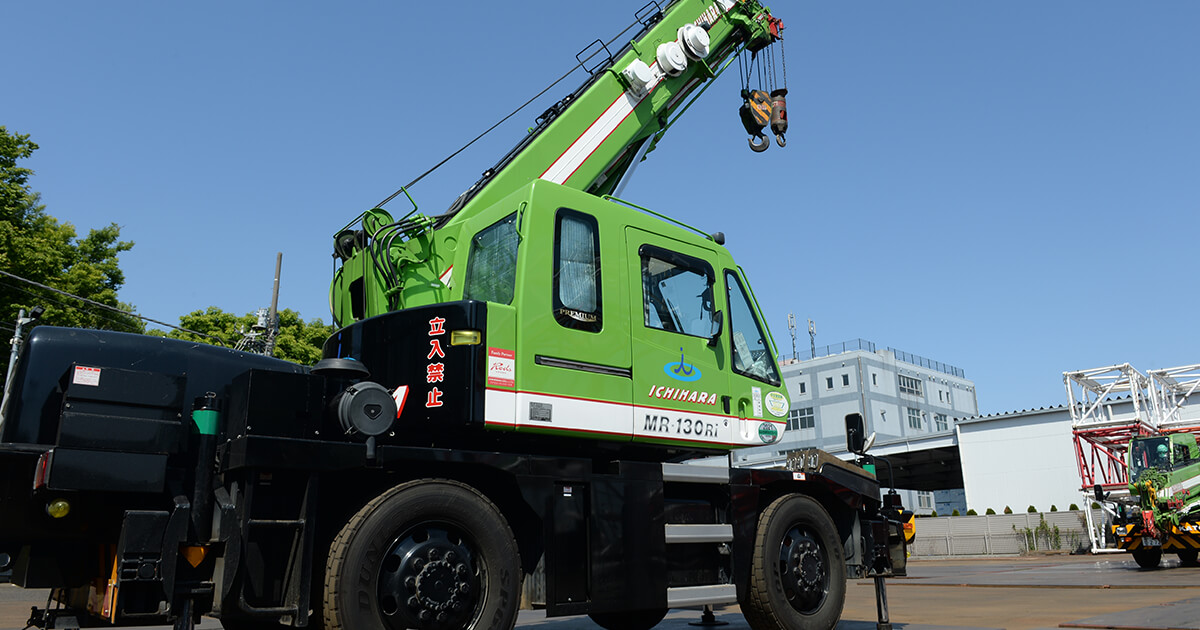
x=12, y=358
x=273, y=317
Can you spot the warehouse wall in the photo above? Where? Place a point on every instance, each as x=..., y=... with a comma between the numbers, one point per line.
x=1019, y=460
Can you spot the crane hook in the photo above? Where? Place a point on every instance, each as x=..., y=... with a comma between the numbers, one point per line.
x=759, y=143
x=779, y=122
x=756, y=112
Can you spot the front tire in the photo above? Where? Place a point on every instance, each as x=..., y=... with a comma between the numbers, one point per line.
x=798, y=575
x=429, y=554
x=1147, y=557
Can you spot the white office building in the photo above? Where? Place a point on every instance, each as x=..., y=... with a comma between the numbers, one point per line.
x=902, y=397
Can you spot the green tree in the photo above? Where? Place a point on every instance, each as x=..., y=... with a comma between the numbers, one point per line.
x=298, y=341
x=37, y=247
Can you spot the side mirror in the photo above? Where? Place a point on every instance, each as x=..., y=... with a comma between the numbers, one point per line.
x=718, y=321
x=1099, y=492
x=856, y=441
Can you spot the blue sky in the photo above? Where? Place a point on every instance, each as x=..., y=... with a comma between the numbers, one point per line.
x=1008, y=187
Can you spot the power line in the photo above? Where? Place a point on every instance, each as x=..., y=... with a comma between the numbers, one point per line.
x=63, y=303
x=111, y=308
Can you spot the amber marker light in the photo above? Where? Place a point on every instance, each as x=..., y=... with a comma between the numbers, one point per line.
x=465, y=337
x=58, y=508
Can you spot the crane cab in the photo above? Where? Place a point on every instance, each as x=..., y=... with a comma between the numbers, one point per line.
x=600, y=321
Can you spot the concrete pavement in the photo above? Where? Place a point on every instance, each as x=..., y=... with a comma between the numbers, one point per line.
x=1019, y=593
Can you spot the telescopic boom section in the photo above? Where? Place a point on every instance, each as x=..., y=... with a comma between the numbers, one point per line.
x=593, y=138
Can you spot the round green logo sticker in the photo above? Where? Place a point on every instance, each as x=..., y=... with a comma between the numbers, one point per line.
x=767, y=432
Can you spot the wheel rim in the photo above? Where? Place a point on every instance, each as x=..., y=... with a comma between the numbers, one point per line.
x=803, y=569
x=431, y=577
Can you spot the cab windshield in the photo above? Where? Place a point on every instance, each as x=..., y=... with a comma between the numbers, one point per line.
x=1149, y=453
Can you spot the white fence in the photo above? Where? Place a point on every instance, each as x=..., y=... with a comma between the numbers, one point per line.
x=1000, y=534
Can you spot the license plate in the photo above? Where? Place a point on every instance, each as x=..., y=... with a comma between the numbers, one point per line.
x=1151, y=542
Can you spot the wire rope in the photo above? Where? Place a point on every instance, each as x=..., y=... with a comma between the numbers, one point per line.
x=501, y=121
x=110, y=308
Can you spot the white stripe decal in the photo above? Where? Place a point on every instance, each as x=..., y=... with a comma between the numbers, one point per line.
x=599, y=131
x=499, y=407
x=635, y=422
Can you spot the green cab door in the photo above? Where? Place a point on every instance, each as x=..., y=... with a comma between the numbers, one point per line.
x=573, y=360
x=679, y=377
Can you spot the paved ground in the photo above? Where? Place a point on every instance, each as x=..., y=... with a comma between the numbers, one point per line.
x=1015, y=593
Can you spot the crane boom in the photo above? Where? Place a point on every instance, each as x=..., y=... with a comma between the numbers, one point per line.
x=585, y=142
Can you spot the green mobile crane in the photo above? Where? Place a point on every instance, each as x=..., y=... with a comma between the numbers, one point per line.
x=1164, y=514
x=515, y=384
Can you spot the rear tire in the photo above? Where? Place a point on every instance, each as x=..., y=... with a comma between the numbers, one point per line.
x=1188, y=558
x=629, y=620
x=1147, y=557
x=428, y=554
x=798, y=574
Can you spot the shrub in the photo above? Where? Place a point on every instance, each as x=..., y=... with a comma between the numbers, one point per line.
x=1007, y=510
x=933, y=513
x=990, y=511
x=1053, y=508
x=972, y=513
x=1095, y=506
x=955, y=513
x=1074, y=508
x=1031, y=509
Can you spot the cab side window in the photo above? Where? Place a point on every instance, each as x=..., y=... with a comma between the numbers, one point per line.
x=751, y=352
x=492, y=266
x=677, y=292
x=576, y=290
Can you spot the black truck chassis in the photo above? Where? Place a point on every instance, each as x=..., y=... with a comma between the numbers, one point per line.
x=294, y=509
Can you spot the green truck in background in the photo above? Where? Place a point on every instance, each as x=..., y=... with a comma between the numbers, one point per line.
x=1164, y=514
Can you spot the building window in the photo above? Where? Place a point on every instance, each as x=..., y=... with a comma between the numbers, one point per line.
x=925, y=500
x=845, y=380
x=940, y=422
x=803, y=388
x=940, y=394
x=828, y=382
x=909, y=385
x=874, y=379
x=914, y=418
x=949, y=398
x=801, y=419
